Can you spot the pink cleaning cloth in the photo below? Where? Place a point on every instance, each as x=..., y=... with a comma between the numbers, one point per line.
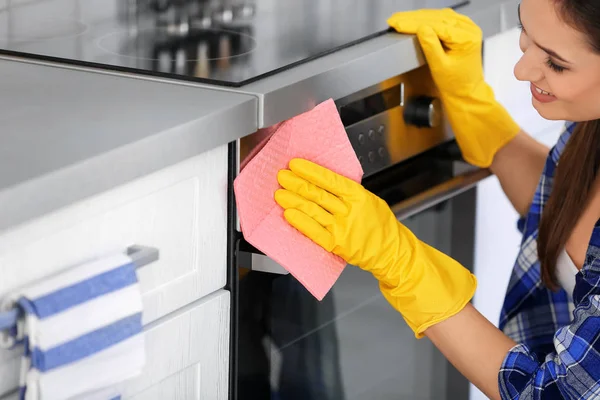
x=319, y=136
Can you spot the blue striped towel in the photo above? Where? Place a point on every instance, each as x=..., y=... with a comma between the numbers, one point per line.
x=81, y=331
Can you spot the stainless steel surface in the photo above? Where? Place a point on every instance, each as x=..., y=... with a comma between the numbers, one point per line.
x=222, y=42
x=434, y=113
x=334, y=76
x=263, y=263
x=142, y=255
x=378, y=129
x=68, y=135
x=348, y=71
x=384, y=137
x=438, y=194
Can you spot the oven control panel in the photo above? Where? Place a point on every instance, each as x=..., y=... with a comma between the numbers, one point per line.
x=395, y=120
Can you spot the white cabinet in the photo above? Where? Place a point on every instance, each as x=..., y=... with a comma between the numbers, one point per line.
x=181, y=210
x=184, y=385
x=187, y=355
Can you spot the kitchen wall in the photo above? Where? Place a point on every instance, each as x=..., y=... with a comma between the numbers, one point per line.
x=497, y=237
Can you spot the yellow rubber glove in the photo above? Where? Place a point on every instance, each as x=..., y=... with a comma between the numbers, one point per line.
x=423, y=284
x=452, y=44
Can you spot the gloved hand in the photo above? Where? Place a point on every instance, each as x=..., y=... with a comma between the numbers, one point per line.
x=452, y=44
x=341, y=216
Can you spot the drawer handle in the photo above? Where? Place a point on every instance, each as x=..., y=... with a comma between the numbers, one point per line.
x=140, y=256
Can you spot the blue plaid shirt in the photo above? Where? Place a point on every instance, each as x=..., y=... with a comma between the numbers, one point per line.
x=558, y=355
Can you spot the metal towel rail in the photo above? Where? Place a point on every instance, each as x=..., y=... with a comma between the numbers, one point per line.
x=140, y=256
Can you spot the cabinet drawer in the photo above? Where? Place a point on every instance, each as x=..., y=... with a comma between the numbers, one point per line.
x=187, y=355
x=189, y=384
x=181, y=210
x=184, y=385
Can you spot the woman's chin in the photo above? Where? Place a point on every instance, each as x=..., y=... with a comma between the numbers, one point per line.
x=548, y=113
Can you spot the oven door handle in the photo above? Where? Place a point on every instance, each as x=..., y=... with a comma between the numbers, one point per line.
x=465, y=180
x=441, y=192
x=251, y=258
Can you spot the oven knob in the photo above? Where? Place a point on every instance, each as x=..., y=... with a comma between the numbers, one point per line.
x=423, y=112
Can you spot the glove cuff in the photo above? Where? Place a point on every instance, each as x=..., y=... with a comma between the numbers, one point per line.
x=433, y=288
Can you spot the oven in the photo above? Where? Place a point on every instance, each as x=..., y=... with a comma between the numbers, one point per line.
x=352, y=345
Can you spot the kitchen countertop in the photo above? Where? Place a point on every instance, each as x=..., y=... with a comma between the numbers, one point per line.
x=68, y=134
x=71, y=132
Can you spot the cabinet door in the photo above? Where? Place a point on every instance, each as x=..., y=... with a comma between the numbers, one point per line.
x=181, y=211
x=187, y=355
x=189, y=384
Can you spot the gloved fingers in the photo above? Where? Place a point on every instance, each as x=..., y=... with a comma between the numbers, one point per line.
x=409, y=21
x=453, y=29
x=290, y=200
x=431, y=45
x=294, y=183
x=310, y=228
x=323, y=177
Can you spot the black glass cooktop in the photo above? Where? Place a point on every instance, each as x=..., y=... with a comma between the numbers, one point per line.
x=230, y=42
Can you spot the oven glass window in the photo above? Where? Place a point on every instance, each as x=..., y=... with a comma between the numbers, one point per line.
x=351, y=345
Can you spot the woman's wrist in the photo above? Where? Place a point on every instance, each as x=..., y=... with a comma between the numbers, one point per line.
x=474, y=346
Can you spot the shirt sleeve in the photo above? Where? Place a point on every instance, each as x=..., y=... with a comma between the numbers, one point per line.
x=572, y=371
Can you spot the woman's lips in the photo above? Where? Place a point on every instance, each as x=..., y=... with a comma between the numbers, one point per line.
x=541, y=97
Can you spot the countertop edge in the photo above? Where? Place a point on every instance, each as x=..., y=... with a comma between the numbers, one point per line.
x=58, y=189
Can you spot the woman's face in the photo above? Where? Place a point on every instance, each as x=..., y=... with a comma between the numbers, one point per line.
x=559, y=61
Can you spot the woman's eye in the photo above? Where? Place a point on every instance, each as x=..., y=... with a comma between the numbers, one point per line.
x=553, y=66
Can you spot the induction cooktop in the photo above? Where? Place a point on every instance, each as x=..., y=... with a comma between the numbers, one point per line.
x=220, y=42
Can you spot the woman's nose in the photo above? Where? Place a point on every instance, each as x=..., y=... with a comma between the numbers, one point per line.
x=528, y=68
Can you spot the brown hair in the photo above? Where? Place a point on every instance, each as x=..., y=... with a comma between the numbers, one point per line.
x=578, y=166
x=573, y=180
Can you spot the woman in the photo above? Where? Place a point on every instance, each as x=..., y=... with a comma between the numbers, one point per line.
x=546, y=349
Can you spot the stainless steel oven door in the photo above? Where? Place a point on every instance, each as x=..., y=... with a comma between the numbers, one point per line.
x=353, y=344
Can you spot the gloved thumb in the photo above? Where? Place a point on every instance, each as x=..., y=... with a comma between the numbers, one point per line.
x=431, y=45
